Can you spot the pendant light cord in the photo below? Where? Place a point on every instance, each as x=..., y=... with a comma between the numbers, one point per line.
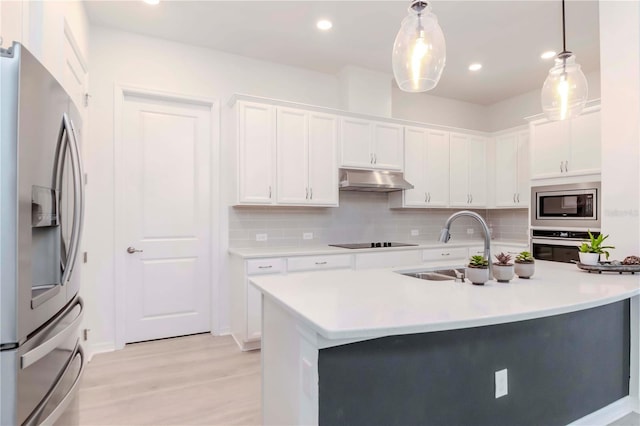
x=564, y=36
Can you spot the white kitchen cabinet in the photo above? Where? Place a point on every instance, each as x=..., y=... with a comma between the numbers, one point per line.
x=426, y=167
x=367, y=144
x=467, y=171
x=455, y=254
x=246, y=301
x=566, y=148
x=256, y=153
x=307, y=172
x=512, y=170
x=318, y=263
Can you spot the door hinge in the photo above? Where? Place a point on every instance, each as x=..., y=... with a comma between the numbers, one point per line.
x=86, y=99
x=85, y=257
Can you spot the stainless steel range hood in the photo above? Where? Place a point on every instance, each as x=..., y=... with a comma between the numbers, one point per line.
x=372, y=181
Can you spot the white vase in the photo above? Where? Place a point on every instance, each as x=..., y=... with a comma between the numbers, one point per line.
x=589, y=258
x=503, y=273
x=477, y=276
x=525, y=270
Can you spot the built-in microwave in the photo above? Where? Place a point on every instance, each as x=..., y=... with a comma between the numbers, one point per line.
x=575, y=205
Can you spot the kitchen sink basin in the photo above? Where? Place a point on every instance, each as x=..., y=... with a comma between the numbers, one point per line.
x=438, y=275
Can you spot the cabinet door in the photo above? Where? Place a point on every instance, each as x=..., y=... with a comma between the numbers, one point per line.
x=254, y=312
x=585, y=143
x=550, y=148
x=323, y=161
x=415, y=166
x=437, y=168
x=477, y=174
x=256, y=153
x=355, y=143
x=506, y=170
x=387, y=146
x=523, y=188
x=458, y=170
x=292, y=145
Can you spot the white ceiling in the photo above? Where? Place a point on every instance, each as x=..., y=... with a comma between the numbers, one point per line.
x=507, y=37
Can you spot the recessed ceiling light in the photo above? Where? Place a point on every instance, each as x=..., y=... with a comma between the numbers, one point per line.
x=548, y=54
x=324, y=24
x=151, y=2
x=475, y=67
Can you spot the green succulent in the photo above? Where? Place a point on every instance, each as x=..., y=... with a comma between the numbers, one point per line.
x=524, y=257
x=594, y=245
x=478, y=261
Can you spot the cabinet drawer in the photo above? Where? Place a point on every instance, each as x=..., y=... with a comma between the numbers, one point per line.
x=311, y=263
x=264, y=266
x=445, y=254
x=387, y=259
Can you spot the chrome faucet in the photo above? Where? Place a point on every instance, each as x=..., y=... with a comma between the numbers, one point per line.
x=445, y=236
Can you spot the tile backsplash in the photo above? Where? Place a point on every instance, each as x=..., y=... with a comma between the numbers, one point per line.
x=362, y=217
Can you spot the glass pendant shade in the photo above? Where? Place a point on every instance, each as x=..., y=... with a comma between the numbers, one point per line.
x=419, y=51
x=565, y=90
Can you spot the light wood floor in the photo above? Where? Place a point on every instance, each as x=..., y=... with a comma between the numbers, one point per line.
x=192, y=380
x=189, y=380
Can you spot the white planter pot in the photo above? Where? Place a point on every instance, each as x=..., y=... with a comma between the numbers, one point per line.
x=477, y=276
x=525, y=270
x=503, y=273
x=589, y=258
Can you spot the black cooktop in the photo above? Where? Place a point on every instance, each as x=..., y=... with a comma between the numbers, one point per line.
x=372, y=245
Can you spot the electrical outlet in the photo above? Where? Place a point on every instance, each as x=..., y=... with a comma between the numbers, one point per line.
x=470, y=231
x=261, y=237
x=502, y=383
x=307, y=235
x=415, y=232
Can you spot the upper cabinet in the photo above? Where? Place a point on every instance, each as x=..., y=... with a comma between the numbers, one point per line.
x=368, y=144
x=566, y=148
x=512, y=170
x=306, y=158
x=467, y=171
x=426, y=167
x=256, y=152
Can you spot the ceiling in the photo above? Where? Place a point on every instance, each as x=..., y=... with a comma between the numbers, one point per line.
x=507, y=37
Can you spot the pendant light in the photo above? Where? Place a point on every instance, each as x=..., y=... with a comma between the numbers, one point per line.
x=419, y=51
x=565, y=90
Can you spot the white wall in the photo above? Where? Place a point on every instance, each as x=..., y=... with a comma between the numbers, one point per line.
x=620, y=52
x=134, y=60
x=435, y=110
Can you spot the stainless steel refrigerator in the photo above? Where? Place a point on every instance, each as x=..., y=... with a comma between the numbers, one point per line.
x=41, y=215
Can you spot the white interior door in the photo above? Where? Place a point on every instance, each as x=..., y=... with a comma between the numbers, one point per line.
x=166, y=145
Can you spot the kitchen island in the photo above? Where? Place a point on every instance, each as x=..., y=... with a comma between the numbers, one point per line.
x=377, y=347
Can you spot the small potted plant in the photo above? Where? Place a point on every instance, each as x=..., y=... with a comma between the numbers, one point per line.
x=590, y=251
x=525, y=265
x=477, y=270
x=503, y=269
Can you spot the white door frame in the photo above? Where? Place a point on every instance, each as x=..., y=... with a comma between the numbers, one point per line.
x=120, y=91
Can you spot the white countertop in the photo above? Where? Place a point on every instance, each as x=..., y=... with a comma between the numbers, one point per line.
x=258, y=252
x=353, y=304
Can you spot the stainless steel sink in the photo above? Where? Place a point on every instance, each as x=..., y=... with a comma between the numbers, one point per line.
x=438, y=275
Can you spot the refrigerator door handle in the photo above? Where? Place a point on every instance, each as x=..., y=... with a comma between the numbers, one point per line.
x=64, y=403
x=78, y=194
x=40, y=351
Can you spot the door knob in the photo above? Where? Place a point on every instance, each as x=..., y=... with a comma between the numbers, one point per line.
x=132, y=250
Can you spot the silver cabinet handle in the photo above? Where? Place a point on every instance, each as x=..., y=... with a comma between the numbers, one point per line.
x=306, y=197
x=429, y=198
x=566, y=166
x=375, y=159
x=321, y=263
x=445, y=254
x=265, y=267
x=311, y=193
x=269, y=191
x=561, y=164
x=426, y=197
x=471, y=197
x=40, y=351
x=518, y=197
x=132, y=250
x=371, y=158
x=514, y=197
